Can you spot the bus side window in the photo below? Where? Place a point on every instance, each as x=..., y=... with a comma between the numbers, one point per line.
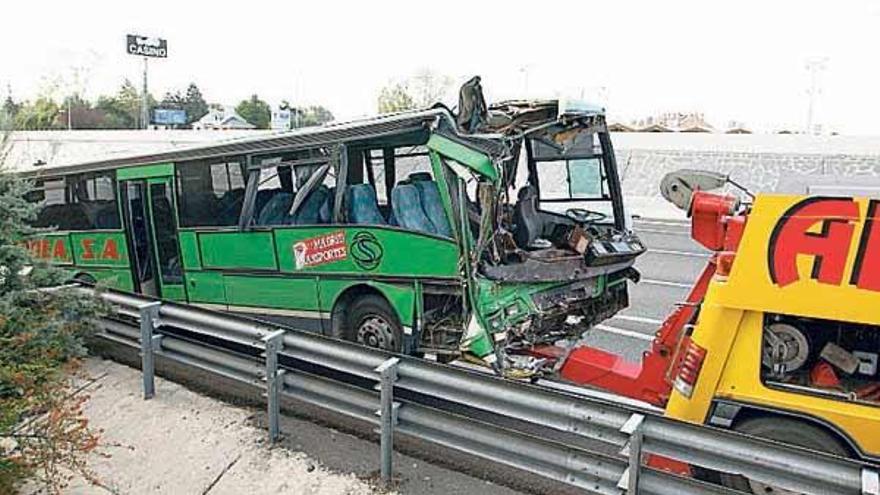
x=78, y=202
x=210, y=194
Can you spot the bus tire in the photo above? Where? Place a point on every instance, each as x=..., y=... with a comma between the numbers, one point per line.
x=84, y=278
x=372, y=322
x=783, y=430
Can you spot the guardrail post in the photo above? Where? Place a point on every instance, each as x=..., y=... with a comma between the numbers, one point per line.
x=274, y=380
x=630, y=478
x=149, y=314
x=870, y=482
x=388, y=413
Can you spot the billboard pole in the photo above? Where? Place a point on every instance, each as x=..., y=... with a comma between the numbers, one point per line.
x=145, y=111
x=146, y=48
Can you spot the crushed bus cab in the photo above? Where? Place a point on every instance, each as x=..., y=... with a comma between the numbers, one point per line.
x=473, y=234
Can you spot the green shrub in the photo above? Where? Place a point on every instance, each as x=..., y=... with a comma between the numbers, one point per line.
x=43, y=434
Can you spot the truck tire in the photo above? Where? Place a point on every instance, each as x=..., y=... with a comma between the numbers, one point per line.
x=783, y=430
x=372, y=322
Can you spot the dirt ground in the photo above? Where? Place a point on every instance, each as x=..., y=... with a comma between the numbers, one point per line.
x=182, y=442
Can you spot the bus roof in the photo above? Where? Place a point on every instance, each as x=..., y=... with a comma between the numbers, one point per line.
x=357, y=130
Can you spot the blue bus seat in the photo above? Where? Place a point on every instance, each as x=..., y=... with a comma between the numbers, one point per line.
x=429, y=197
x=310, y=210
x=407, y=209
x=363, y=208
x=274, y=212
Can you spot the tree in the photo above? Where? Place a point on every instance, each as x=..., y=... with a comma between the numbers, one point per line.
x=255, y=111
x=194, y=103
x=421, y=90
x=41, y=114
x=43, y=433
x=307, y=116
x=123, y=110
x=428, y=87
x=395, y=98
x=83, y=115
x=8, y=112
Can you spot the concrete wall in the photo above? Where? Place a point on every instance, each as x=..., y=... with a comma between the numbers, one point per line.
x=759, y=162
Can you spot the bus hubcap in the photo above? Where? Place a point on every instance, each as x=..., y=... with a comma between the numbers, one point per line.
x=374, y=331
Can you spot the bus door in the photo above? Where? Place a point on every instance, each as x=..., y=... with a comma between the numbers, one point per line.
x=151, y=226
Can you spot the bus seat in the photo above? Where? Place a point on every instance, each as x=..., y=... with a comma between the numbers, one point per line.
x=527, y=223
x=408, y=210
x=263, y=197
x=274, y=212
x=310, y=210
x=363, y=207
x=429, y=197
x=420, y=176
x=107, y=217
x=229, y=207
x=325, y=214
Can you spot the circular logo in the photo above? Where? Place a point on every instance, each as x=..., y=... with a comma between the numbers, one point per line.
x=366, y=250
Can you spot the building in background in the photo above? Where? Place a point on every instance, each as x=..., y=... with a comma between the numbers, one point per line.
x=225, y=119
x=280, y=119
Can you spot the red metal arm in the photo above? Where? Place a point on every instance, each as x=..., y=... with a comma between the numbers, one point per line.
x=651, y=380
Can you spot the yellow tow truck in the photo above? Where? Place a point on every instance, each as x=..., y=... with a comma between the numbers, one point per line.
x=780, y=335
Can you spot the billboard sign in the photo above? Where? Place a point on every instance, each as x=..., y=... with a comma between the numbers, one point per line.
x=146, y=46
x=170, y=116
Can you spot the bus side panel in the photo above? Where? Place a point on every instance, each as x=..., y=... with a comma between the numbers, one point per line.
x=51, y=247
x=189, y=250
x=237, y=250
x=295, y=298
x=368, y=251
x=100, y=249
x=114, y=278
x=205, y=287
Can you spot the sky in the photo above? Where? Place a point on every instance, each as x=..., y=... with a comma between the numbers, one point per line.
x=742, y=60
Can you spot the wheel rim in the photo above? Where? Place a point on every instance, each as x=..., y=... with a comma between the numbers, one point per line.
x=375, y=331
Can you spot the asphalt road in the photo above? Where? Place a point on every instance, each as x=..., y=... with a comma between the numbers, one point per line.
x=669, y=268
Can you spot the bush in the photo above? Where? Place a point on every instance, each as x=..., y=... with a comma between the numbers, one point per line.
x=43, y=434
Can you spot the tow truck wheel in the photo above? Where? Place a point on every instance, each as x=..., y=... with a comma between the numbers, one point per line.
x=372, y=322
x=787, y=431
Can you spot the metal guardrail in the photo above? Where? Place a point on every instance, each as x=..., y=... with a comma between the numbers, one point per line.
x=542, y=431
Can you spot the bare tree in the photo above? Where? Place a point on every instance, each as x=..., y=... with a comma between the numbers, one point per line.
x=423, y=89
x=428, y=87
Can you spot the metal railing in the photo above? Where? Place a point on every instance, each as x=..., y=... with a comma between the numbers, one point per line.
x=549, y=433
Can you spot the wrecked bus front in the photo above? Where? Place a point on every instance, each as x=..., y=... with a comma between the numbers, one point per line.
x=547, y=236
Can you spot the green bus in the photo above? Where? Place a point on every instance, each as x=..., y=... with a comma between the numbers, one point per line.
x=415, y=232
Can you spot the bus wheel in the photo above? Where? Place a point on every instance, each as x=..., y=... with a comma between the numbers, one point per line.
x=84, y=278
x=783, y=430
x=372, y=323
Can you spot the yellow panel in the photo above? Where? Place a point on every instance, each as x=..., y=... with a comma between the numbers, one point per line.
x=741, y=382
x=772, y=241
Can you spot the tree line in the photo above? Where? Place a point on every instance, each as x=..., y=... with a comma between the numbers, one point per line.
x=122, y=110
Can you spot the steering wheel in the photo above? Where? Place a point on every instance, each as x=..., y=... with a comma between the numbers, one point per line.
x=581, y=215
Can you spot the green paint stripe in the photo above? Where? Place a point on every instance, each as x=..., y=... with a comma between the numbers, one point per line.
x=462, y=154
x=145, y=171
